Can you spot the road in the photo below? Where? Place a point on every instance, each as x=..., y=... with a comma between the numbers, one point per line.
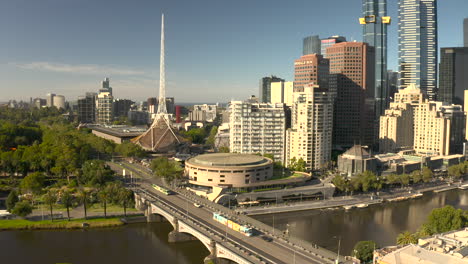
x=276, y=251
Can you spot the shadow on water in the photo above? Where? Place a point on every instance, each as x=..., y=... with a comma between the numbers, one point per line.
x=137, y=243
x=381, y=223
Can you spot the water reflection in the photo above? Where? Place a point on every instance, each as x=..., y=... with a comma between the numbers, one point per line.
x=381, y=223
x=142, y=243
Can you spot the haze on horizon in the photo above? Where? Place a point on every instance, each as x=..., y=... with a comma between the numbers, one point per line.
x=215, y=50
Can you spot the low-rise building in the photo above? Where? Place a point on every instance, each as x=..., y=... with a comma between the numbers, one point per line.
x=450, y=247
x=356, y=160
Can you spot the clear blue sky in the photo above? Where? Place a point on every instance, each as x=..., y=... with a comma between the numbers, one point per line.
x=216, y=50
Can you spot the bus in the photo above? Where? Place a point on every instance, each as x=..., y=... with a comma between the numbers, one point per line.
x=161, y=189
x=243, y=229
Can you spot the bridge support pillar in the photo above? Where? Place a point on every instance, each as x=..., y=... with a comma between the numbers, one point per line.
x=176, y=236
x=211, y=259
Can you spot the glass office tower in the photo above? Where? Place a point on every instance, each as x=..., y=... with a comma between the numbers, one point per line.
x=375, y=22
x=417, y=45
x=311, y=45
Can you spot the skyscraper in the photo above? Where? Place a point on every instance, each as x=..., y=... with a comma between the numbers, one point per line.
x=310, y=69
x=87, y=108
x=265, y=88
x=328, y=42
x=257, y=128
x=375, y=22
x=312, y=121
x=417, y=45
x=311, y=45
x=453, y=75
x=352, y=84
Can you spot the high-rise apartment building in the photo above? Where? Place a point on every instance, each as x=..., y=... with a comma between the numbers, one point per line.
x=257, y=128
x=104, y=103
x=412, y=121
x=453, y=75
x=282, y=92
x=392, y=84
x=87, y=108
x=417, y=45
x=310, y=136
x=457, y=127
x=121, y=107
x=310, y=69
x=50, y=99
x=397, y=124
x=59, y=101
x=352, y=86
x=265, y=88
x=328, y=42
x=375, y=22
x=311, y=45
x=105, y=86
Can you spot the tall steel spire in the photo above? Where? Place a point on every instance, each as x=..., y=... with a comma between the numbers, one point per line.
x=162, y=109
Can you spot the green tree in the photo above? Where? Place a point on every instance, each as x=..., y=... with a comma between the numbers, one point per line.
x=84, y=195
x=427, y=174
x=416, y=176
x=456, y=171
x=125, y=198
x=341, y=183
x=105, y=196
x=33, y=183
x=223, y=149
x=67, y=200
x=211, y=137
x=297, y=164
x=368, y=180
x=168, y=170
x=50, y=198
x=96, y=172
x=445, y=219
x=11, y=200
x=196, y=135
x=406, y=238
x=22, y=208
x=404, y=179
x=128, y=149
x=364, y=250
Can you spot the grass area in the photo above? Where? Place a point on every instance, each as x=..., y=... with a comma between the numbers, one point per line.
x=278, y=175
x=20, y=224
x=97, y=207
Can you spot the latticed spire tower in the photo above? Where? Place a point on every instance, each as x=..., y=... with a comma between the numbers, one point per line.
x=162, y=109
x=161, y=137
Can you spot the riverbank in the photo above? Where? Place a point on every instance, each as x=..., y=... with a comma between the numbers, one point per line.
x=21, y=224
x=351, y=202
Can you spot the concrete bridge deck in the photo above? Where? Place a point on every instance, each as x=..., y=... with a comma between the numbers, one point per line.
x=222, y=242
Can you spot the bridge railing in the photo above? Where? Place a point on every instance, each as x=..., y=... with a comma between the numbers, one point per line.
x=231, y=244
x=262, y=227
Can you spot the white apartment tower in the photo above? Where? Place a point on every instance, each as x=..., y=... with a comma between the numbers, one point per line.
x=310, y=136
x=257, y=128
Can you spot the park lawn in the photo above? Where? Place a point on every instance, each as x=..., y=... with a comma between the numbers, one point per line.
x=111, y=208
x=21, y=224
x=278, y=175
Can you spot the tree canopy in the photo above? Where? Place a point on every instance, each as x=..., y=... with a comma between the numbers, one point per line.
x=167, y=169
x=364, y=250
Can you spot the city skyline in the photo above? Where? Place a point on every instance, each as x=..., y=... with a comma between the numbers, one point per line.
x=206, y=61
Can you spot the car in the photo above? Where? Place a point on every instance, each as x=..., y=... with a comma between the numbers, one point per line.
x=197, y=205
x=267, y=238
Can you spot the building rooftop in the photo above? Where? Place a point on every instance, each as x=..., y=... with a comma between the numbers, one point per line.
x=121, y=131
x=228, y=160
x=357, y=151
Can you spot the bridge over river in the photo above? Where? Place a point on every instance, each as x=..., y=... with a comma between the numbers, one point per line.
x=267, y=245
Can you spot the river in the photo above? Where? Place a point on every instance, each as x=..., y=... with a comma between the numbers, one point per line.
x=381, y=223
x=147, y=243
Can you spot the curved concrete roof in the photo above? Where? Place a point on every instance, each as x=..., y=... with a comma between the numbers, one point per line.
x=228, y=160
